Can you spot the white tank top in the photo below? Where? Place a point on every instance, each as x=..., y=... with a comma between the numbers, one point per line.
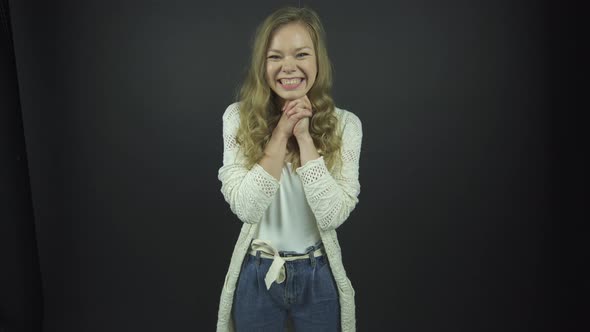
x=288, y=223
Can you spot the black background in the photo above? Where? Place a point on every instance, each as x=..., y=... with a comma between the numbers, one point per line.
x=112, y=216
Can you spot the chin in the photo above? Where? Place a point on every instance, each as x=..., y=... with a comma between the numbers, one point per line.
x=292, y=95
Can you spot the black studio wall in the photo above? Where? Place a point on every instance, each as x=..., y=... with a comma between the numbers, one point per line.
x=110, y=134
x=21, y=299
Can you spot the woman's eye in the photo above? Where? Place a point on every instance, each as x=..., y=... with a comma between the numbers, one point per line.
x=276, y=56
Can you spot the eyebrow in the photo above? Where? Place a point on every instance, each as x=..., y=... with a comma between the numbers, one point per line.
x=297, y=49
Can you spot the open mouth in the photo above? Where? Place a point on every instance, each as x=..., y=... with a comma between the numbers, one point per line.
x=291, y=84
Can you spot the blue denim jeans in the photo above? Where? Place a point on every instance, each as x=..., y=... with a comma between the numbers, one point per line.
x=308, y=295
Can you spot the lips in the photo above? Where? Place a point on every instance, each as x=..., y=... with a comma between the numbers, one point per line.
x=297, y=82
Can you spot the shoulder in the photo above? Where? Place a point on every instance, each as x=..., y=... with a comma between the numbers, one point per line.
x=350, y=123
x=232, y=112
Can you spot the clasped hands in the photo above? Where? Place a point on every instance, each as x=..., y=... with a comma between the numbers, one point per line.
x=295, y=118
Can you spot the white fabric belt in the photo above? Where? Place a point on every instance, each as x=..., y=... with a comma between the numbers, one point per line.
x=276, y=272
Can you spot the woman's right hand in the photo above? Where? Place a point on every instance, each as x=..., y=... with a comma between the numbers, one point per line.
x=287, y=122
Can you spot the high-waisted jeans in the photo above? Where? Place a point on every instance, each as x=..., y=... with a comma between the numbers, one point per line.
x=308, y=295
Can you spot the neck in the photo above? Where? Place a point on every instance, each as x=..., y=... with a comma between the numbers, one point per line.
x=278, y=101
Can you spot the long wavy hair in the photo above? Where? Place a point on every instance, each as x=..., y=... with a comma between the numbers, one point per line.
x=259, y=108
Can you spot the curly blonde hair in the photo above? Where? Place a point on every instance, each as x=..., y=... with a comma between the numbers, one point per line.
x=259, y=108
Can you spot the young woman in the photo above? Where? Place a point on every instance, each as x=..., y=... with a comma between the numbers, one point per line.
x=290, y=174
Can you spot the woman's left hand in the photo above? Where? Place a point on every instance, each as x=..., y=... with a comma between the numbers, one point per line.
x=301, y=128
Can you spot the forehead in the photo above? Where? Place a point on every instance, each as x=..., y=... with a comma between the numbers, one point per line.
x=290, y=37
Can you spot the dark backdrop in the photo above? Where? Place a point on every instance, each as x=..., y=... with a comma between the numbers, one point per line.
x=121, y=108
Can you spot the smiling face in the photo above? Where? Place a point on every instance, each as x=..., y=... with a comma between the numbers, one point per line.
x=291, y=66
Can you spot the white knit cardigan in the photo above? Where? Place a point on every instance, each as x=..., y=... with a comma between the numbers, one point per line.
x=331, y=196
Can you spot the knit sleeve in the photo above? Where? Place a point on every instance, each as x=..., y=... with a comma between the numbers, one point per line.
x=249, y=192
x=332, y=197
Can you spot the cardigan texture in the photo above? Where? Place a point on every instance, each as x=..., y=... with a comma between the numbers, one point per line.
x=331, y=196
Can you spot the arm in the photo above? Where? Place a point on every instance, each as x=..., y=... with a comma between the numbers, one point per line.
x=307, y=149
x=333, y=197
x=248, y=192
x=274, y=155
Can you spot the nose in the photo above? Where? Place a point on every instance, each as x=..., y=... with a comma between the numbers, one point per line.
x=289, y=66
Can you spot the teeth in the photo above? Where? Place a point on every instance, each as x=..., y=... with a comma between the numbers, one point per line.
x=292, y=81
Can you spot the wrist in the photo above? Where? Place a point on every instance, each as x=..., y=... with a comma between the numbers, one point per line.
x=279, y=136
x=304, y=138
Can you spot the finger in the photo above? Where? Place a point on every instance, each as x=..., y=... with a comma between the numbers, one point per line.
x=286, y=105
x=307, y=105
x=293, y=103
x=306, y=114
x=295, y=115
x=301, y=115
x=298, y=102
x=304, y=109
x=289, y=105
x=293, y=109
